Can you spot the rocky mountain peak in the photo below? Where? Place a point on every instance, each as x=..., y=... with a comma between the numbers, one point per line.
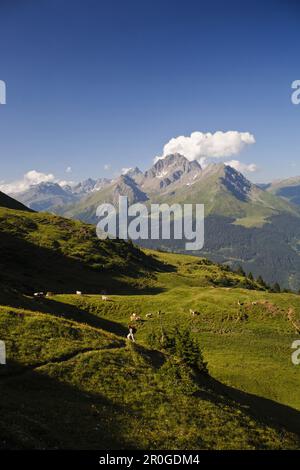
x=171, y=169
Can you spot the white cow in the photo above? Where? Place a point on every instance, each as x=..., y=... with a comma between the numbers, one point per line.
x=78, y=292
x=194, y=313
x=39, y=294
x=135, y=317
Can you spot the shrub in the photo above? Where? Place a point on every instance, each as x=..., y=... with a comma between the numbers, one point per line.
x=161, y=340
x=246, y=283
x=240, y=271
x=178, y=378
x=262, y=283
x=180, y=344
x=188, y=349
x=223, y=281
x=276, y=288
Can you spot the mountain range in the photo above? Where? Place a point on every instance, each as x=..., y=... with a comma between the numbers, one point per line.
x=256, y=226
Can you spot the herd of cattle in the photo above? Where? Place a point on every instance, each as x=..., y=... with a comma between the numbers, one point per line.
x=134, y=316
x=49, y=294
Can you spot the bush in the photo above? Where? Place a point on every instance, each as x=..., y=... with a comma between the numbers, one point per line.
x=261, y=282
x=240, y=271
x=188, y=349
x=180, y=344
x=223, y=281
x=161, y=340
x=178, y=378
x=246, y=283
x=276, y=288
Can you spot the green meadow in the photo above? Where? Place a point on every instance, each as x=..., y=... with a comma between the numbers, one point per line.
x=73, y=380
x=247, y=347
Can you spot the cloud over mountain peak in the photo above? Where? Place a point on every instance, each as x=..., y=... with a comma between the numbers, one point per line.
x=201, y=145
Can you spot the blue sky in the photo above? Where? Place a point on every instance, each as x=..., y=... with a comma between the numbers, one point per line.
x=108, y=83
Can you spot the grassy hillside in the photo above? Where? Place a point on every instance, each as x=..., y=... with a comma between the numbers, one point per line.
x=39, y=251
x=72, y=380
x=72, y=385
x=248, y=347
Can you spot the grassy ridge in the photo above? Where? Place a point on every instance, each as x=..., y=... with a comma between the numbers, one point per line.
x=73, y=381
x=39, y=251
x=65, y=395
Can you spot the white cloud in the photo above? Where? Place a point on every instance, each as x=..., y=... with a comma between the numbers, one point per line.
x=107, y=167
x=64, y=183
x=242, y=167
x=30, y=178
x=124, y=171
x=207, y=145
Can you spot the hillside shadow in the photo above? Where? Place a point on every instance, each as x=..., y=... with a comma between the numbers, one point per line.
x=264, y=410
x=40, y=412
x=29, y=268
x=153, y=356
x=72, y=312
x=69, y=312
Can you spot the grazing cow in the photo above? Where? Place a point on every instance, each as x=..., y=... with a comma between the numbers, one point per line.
x=78, y=292
x=254, y=303
x=135, y=317
x=194, y=313
x=104, y=297
x=49, y=294
x=39, y=294
x=240, y=303
x=149, y=315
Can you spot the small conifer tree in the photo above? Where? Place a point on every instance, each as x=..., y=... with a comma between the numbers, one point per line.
x=276, y=288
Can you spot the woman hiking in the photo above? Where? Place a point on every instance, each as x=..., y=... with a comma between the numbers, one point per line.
x=132, y=331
